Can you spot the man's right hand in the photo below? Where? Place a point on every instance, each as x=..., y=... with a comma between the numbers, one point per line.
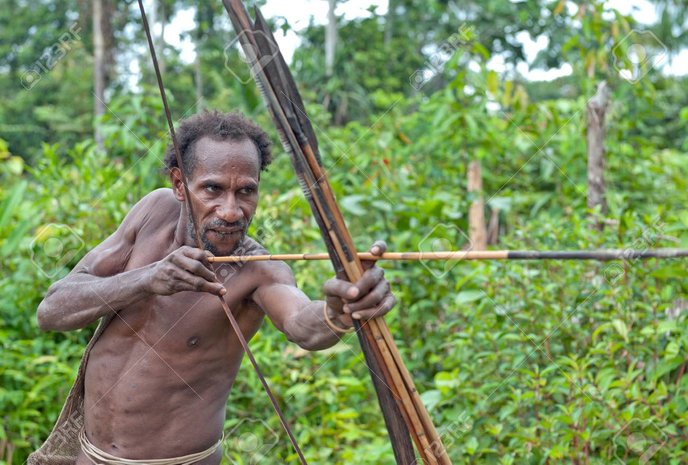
x=185, y=269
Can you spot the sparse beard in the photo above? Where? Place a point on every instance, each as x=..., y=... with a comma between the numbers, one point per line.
x=209, y=246
x=215, y=251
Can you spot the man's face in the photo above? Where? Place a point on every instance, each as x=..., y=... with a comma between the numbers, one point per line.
x=224, y=191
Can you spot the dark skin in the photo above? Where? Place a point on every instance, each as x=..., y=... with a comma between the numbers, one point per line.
x=158, y=378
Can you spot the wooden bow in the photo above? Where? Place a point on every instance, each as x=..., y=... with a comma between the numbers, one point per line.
x=403, y=411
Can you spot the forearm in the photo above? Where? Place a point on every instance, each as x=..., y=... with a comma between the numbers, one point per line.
x=309, y=329
x=81, y=298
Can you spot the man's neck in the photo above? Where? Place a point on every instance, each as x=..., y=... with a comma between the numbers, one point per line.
x=181, y=233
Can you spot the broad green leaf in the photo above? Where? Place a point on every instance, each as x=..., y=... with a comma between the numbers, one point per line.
x=621, y=328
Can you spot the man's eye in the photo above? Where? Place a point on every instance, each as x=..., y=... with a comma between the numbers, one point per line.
x=211, y=188
x=247, y=190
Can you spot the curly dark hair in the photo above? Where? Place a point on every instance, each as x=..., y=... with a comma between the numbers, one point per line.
x=219, y=126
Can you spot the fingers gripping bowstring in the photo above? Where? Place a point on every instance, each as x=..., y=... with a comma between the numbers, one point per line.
x=199, y=243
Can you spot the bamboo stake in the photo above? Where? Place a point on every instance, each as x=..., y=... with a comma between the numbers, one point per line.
x=600, y=255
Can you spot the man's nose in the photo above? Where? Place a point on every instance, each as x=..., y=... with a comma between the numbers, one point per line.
x=229, y=210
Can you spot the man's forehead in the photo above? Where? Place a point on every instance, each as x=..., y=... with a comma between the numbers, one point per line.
x=209, y=145
x=214, y=154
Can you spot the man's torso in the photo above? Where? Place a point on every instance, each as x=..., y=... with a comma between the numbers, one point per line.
x=158, y=378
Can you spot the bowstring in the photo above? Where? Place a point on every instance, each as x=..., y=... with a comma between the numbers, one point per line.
x=199, y=243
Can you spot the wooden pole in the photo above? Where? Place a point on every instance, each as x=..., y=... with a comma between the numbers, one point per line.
x=98, y=72
x=597, y=110
x=477, y=231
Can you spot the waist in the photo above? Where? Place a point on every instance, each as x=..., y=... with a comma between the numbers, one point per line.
x=98, y=456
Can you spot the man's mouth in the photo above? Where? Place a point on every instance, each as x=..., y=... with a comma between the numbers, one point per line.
x=224, y=233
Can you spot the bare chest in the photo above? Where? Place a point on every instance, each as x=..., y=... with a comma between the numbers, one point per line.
x=186, y=321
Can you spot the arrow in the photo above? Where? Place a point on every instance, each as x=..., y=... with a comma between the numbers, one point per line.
x=600, y=255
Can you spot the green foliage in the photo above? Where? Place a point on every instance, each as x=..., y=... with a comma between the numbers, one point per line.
x=52, y=214
x=517, y=362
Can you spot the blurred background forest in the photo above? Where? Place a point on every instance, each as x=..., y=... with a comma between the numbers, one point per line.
x=517, y=362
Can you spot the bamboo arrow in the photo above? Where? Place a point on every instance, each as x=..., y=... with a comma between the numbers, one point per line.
x=600, y=255
x=396, y=392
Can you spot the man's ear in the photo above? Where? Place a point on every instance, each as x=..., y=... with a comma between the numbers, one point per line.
x=177, y=184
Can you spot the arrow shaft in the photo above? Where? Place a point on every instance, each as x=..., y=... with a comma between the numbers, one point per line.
x=600, y=255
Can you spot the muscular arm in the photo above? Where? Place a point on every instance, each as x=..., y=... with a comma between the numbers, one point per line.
x=97, y=286
x=292, y=312
x=302, y=320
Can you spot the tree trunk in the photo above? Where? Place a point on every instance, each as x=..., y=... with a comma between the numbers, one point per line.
x=330, y=38
x=597, y=109
x=108, y=13
x=493, y=227
x=389, y=21
x=476, y=216
x=157, y=15
x=198, y=78
x=98, y=71
x=161, y=38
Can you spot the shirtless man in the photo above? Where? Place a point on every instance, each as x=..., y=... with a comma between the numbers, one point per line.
x=158, y=378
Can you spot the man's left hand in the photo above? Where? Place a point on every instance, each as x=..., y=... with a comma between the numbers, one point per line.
x=367, y=298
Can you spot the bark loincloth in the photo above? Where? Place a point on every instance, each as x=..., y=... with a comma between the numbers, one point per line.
x=101, y=457
x=62, y=446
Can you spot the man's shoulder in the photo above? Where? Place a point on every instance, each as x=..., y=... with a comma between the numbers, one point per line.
x=156, y=208
x=269, y=271
x=159, y=197
x=159, y=203
x=250, y=246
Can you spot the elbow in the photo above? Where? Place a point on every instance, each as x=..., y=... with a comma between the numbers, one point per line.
x=43, y=317
x=63, y=310
x=314, y=342
x=308, y=340
x=314, y=345
x=43, y=313
x=47, y=319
